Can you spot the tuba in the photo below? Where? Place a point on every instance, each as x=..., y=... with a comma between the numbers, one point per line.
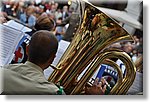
x=89, y=49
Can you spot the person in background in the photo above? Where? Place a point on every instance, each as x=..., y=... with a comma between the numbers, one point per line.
x=20, y=10
x=65, y=12
x=7, y=7
x=73, y=22
x=3, y=16
x=28, y=17
x=59, y=30
x=42, y=23
x=58, y=14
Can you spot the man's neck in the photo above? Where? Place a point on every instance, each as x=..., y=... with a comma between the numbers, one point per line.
x=42, y=66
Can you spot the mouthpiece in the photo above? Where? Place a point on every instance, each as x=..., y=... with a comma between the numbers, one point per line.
x=55, y=68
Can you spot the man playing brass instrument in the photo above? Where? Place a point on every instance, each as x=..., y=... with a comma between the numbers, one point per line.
x=28, y=78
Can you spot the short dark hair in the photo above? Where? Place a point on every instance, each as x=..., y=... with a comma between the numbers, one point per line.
x=42, y=46
x=44, y=23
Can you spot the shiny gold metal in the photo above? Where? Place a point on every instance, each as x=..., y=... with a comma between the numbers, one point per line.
x=88, y=51
x=55, y=68
x=120, y=75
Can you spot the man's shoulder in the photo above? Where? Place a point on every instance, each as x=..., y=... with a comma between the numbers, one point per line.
x=16, y=83
x=11, y=66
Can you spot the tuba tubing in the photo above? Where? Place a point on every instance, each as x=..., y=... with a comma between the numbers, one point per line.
x=96, y=32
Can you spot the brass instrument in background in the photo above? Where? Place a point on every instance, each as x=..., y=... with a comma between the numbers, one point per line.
x=89, y=49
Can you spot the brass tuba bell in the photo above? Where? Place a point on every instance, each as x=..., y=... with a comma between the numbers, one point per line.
x=89, y=49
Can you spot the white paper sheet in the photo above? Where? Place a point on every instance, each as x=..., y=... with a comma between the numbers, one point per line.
x=17, y=26
x=63, y=45
x=9, y=39
x=1, y=81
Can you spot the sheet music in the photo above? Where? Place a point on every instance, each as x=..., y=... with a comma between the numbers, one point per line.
x=17, y=26
x=1, y=81
x=10, y=38
x=63, y=45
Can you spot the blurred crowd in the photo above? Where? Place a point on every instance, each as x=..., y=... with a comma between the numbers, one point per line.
x=29, y=11
x=30, y=7
x=134, y=49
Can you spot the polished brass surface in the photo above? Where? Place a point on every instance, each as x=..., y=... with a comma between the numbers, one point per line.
x=88, y=51
x=55, y=68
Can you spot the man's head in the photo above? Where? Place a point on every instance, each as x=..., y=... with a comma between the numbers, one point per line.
x=44, y=22
x=42, y=48
x=30, y=10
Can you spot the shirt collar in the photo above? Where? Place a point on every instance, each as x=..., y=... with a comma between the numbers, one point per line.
x=34, y=66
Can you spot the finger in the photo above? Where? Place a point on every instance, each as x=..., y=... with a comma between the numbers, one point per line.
x=103, y=80
x=100, y=84
x=104, y=88
x=96, y=81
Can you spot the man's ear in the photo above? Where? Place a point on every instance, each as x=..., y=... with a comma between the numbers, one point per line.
x=27, y=49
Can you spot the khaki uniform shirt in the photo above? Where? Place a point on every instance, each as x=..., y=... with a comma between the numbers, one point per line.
x=26, y=78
